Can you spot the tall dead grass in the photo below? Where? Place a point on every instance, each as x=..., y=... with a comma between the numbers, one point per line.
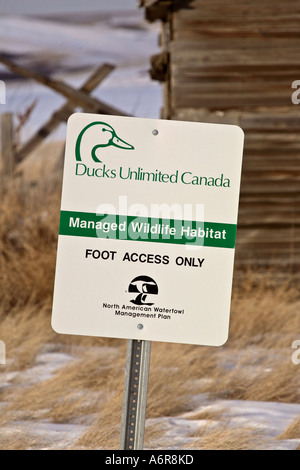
x=28, y=237
x=292, y=431
x=255, y=364
x=227, y=438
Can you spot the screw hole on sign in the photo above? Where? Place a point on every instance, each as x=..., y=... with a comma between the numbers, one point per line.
x=155, y=132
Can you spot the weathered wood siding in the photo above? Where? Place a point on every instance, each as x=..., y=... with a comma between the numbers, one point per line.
x=235, y=62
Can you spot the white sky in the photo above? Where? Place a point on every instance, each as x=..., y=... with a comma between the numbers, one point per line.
x=20, y=7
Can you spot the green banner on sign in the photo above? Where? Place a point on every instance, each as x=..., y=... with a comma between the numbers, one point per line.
x=147, y=229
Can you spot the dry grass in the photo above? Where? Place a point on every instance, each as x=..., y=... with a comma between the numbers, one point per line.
x=255, y=364
x=292, y=431
x=228, y=438
x=21, y=441
x=25, y=330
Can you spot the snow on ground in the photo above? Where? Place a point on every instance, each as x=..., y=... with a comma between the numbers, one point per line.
x=269, y=418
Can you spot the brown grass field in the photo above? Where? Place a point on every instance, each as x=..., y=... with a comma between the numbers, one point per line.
x=66, y=392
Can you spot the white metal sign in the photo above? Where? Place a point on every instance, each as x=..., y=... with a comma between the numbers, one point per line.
x=147, y=229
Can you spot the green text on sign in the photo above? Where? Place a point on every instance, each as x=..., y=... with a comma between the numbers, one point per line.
x=147, y=229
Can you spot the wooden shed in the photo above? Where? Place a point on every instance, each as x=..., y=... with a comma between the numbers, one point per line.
x=236, y=62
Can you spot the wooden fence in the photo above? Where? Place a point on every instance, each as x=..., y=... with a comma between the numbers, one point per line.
x=10, y=156
x=7, y=157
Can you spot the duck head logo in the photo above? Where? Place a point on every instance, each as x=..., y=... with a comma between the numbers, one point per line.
x=143, y=286
x=98, y=135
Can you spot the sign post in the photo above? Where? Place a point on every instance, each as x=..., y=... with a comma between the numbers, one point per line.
x=147, y=239
x=135, y=395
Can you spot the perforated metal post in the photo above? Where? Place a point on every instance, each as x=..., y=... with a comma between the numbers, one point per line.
x=135, y=395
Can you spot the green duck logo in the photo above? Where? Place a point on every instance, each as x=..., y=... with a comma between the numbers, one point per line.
x=103, y=134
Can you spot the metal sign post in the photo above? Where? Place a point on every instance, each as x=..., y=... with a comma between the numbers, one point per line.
x=135, y=395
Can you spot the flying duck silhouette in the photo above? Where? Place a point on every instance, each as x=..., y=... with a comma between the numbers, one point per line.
x=143, y=285
x=106, y=136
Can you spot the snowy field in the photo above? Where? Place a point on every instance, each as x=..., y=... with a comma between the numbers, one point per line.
x=258, y=421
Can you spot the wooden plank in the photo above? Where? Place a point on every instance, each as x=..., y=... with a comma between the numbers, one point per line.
x=291, y=255
x=282, y=218
x=263, y=253
x=281, y=251
x=271, y=151
x=179, y=99
x=269, y=198
x=263, y=236
x=271, y=122
x=232, y=87
x=186, y=20
x=271, y=147
x=182, y=53
x=244, y=43
x=215, y=29
x=243, y=3
x=281, y=161
x=196, y=75
x=77, y=97
x=253, y=11
x=260, y=160
x=256, y=198
x=261, y=24
x=287, y=245
x=63, y=113
x=282, y=119
x=254, y=72
x=275, y=217
x=271, y=188
x=7, y=158
x=241, y=68
x=257, y=138
x=282, y=205
x=272, y=168
x=266, y=175
x=266, y=257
